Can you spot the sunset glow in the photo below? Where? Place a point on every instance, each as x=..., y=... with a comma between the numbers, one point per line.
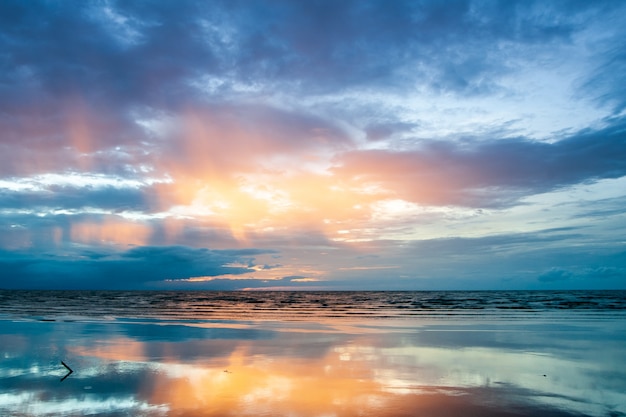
x=333, y=145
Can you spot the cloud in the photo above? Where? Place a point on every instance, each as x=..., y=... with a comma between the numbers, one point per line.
x=72, y=136
x=604, y=83
x=493, y=172
x=616, y=273
x=105, y=65
x=555, y=274
x=585, y=276
x=223, y=139
x=86, y=89
x=377, y=43
x=231, y=284
x=139, y=54
x=135, y=268
x=73, y=198
x=382, y=131
x=306, y=126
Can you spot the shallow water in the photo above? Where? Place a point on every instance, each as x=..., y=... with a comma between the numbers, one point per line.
x=170, y=362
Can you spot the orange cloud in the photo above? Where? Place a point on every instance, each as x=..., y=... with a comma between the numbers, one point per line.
x=411, y=176
x=110, y=231
x=254, y=205
x=254, y=170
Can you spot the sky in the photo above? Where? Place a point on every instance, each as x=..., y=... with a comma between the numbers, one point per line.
x=331, y=145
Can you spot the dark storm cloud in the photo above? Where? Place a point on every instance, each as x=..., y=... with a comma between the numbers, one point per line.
x=492, y=173
x=134, y=268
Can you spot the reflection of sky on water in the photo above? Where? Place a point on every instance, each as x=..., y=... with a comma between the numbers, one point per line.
x=306, y=369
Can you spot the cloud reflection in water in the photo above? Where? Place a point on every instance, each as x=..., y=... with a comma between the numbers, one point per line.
x=404, y=368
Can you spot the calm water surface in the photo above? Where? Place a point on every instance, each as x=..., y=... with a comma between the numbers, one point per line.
x=313, y=354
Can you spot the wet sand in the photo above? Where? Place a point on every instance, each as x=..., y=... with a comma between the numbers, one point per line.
x=385, y=368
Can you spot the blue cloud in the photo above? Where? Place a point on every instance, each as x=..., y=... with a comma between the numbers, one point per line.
x=555, y=274
x=136, y=268
x=158, y=48
x=71, y=198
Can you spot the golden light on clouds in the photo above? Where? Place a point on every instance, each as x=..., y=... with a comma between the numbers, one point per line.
x=267, y=273
x=110, y=232
x=218, y=172
x=298, y=141
x=250, y=205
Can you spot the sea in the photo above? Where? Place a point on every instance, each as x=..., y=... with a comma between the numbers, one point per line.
x=312, y=354
x=307, y=305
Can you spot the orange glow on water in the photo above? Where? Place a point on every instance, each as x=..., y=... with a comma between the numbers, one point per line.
x=344, y=380
x=245, y=383
x=257, y=385
x=121, y=348
x=343, y=368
